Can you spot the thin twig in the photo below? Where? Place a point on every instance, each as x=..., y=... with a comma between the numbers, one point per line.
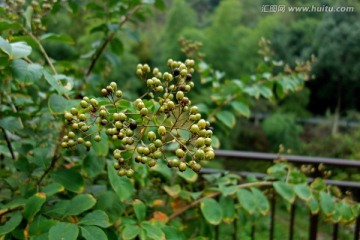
x=54, y=158
x=107, y=40
x=193, y=204
x=42, y=49
x=8, y=144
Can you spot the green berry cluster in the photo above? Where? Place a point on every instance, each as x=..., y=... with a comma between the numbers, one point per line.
x=144, y=129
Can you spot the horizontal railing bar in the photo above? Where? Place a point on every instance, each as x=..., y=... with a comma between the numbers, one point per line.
x=290, y=158
x=337, y=183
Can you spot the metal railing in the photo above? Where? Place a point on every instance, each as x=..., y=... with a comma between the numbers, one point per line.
x=315, y=161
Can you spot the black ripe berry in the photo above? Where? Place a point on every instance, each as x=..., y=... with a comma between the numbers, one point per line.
x=176, y=72
x=133, y=125
x=188, y=77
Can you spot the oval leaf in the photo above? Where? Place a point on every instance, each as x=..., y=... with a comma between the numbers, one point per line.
x=63, y=231
x=80, y=204
x=227, y=118
x=327, y=204
x=121, y=185
x=262, y=203
x=11, y=224
x=96, y=218
x=246, y=200
x=303, y=191
x=285, y=190
x=140, y=210
x=33, y=205
x=92, y=233
x=228, y=208
x=211, y=211
x=130, y=231
x=70, y=179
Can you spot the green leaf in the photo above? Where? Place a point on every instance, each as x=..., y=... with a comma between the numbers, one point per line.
x=227, y=190
x=171, y=233
x=62, y=231
x=11, y=224
x=97, y=218
x=57, y=37
x=55, y=83
x=139, y=209
x=211, y=211
x=303, y=191
x=346, y=214
x=130, y=231
x=173, y=191
x=33, y=205
x=117, y=46
x=327, y=204
x=28, y=16
x=25, y=72
x=121, y=185
x=94, y=165
x=11, y=123
x=228, y=208
x=70, y=179
x=41, y=225
x=285, y=190
x=152, y=232
x=57, y=104
x=92, y=233
x=227, y=118
x=189, y=175
x=241, y=108
x=246, y=200
x=79, y=204
x=262, y=203
x=52, y=189
x=313, y=205
x=5, y=46
x=265, y=91
x=20, y=50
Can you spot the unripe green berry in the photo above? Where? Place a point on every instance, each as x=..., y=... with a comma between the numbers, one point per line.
x=200, y=142
x=144, y=111
x=118, y=125
x=207, y=141
x=130, y=173
x=64, y=144
x=114, y=137
x=71, y=134
x=82, y=117
x=122, y=117
x=97, y=138
x=151, y=136
x=75, y=126
x=179, y=153
x=104, y=92
x=94, y=102
x=159, y=89
x=199, y=154
x=170, y=105
x=102, y=113
x=209, y=155
x=86, y=99
x=140, y=105
x=84, y=104
x=194, y=128
x=68, y=116
x=161, y=130
x=182, y=166
x=118, y=93
x=149, y=82
x=129, y=132
x=138, y=159
x=179, y=95
x=121, y=172
x=144, y=160
x=87, y=144
x=116, y=165
x=71, y=143
x=113, y=85
x=196, y=167
x=139, y=72
x=151, y=163
x=74, y=111
x=194, y=110
x=158, y=143
x=202, y=124
x=80, y=140
x=109, y=89
x=157, y=154
x=183, y=72
x=84, y=128
x=146, y=151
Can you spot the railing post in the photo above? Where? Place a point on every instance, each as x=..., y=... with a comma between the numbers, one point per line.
x=335, y=231
x=272, y=214
x=357, y=229
x=313, y=226
x=292, y=220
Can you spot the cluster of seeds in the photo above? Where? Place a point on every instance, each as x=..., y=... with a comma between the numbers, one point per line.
x=144, y=129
